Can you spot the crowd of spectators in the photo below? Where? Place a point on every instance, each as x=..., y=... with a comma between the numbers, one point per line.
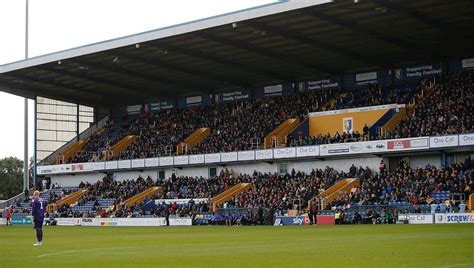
x=434, y=109
x=441, y=108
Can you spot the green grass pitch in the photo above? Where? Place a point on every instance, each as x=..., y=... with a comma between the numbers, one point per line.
x=211, y=246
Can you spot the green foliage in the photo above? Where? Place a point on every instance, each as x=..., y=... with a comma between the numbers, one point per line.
x=11, y=177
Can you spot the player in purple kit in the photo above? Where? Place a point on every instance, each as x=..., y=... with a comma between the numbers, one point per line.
x=38, y=209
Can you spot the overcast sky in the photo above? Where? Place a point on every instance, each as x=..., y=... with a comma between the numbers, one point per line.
x=61, y=24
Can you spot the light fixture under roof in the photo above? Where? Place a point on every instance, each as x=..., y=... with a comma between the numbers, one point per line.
x=116, y=60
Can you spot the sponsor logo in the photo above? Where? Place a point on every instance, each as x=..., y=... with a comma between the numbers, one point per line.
x=358, y=147
x=460, y=218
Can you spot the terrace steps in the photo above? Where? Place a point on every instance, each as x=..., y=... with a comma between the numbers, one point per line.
x=140, y=197
x=69, y=199
x=120, y=146
x=64, y=156
x=278, y=136
x=328, y=195
x=229, y=194
x=195, y=138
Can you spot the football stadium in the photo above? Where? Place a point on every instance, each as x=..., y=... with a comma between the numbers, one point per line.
x=293, y=134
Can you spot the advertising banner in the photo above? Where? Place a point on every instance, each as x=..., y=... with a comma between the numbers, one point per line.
x=212, y=158
x=235, y=95
x=288, y=220
x=68, y=221
x=123, y=222
x=466, y=139
x=138, y=163
x=326, y=220
x=82, y=167
x=196, y=159
x=124, y=164
x=420, y=218
x=166, y=161
x=246, y=155
x=228, y=157
x=181, y=160
x=323, y=84
x=306, y=151
x=264, y=154
x=288, y=152
x=416, y=72
x=111, y=165
x=444, y=141
x=354, y=148
x=98, y=165
x=467, y=63
x=3, y=221
x=22, y=221
x=152, y=162
x=408, y=144
x=181, y=201
x=454, y=218
x=181, y=221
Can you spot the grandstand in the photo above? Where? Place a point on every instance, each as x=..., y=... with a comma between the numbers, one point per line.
x=251, y=103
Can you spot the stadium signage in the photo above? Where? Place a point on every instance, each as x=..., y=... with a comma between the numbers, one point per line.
x=322, y=84
x=444, y=141
x=181, y=201
x=111, y=165
x=120, y=221
x=454, y=218
x=151, y=162
x=264, y=154
x=196, y=159
x=246, y=155
x=180, y=221
x=275, y=90
x=289, y=152
x=229, y=157
x=467, y=63
x=138, y=163
x=306, y=151
x=181, y=160
x=366, y=78
x=287, y=220
x=408, y=144
x=236, y=95
x=353, y=148
x=124, y=164
x=166, y=161
x=420, y=218
x=3, y=221
x=98, y=165
x=417, y=71
x=212, y=158
x=22, y=221
x=466, y=139
x=68, y=221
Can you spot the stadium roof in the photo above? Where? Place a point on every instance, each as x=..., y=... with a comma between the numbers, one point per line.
x=283, y=42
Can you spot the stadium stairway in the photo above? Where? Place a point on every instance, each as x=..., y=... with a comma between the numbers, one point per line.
x=279, y=134
x=69, y=199
x=228, y=194
x=328, y=195
x=195, y=138
x=64, y=156
x=140, y=197
x=121, y=145
x=388, y=121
